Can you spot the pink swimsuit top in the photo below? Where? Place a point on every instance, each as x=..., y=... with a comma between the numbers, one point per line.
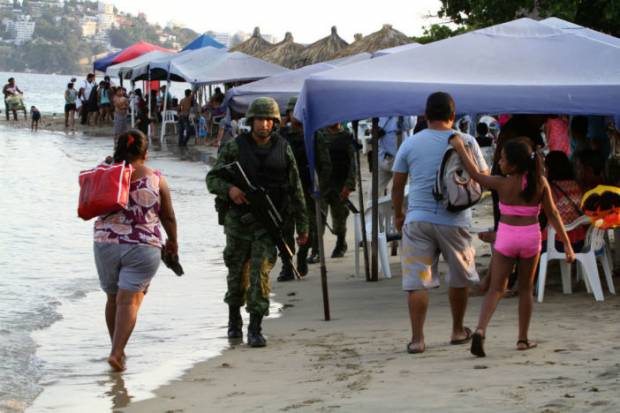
x=519, y=210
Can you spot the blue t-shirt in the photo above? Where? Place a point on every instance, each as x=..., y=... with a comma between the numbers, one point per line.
x=388, y=143
x=420, y=156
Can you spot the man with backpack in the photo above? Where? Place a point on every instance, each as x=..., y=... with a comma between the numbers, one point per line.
x=435, y=222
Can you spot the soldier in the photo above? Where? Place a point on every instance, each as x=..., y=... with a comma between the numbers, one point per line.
x=341, y=182
x=250, y=251
x=293, y=132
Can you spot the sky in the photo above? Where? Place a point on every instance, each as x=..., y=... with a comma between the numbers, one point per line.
x=307, y=20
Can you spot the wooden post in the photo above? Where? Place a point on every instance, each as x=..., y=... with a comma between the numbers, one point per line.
x=319, y=224
x=361, y=200
x=374, y=268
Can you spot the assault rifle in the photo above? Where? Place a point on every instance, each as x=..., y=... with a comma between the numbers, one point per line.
x=263, y=210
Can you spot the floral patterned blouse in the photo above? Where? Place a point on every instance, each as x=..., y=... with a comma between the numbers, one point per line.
x=139, y=223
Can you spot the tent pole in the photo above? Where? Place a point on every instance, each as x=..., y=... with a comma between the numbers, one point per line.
x=163, y=114
x=361, y=199
x=150, y=105
x=319, y=225
x=133, y=104
x=374, y=269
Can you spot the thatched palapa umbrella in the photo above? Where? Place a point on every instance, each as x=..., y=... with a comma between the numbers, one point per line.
x=325, y=49
x=254, y=46
x=383, y=39
x=287, y=53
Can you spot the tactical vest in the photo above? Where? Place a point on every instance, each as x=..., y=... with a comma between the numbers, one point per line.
x=295, y=139
x=266, y=166
x=339, y=152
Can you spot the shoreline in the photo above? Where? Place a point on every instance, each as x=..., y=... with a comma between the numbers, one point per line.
x=358, y=362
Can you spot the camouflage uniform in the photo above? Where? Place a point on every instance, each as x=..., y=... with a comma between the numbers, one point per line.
x=250, y=252
x=342, y=154
x=295, y=136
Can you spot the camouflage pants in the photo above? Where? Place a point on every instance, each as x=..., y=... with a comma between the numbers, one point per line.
x=338, y=211
x=289, y=229
x=249, y=263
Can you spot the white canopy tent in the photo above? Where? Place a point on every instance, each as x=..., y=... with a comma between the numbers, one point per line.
x=282, y=86
x=124, y=69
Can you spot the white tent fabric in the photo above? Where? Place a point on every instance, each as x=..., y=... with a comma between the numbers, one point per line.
x=396, y=49
x=159, y=66
x=581, y=31
x=209, y=65
x=518, y=67
x=282, y=86
x=124, y=69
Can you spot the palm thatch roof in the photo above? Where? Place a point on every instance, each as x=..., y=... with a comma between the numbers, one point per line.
x=383, y=39
x=325, y=49
x=254, y=46
x=287, y=53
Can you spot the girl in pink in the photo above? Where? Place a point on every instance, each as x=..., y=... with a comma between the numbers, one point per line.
x=522, y=191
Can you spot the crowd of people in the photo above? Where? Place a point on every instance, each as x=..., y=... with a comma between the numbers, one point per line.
x=530, y=189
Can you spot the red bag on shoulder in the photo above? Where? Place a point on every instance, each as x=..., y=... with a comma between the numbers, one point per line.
x=104, y=189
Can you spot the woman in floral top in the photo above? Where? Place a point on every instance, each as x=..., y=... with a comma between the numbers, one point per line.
x=567, y=195
x=128, y=243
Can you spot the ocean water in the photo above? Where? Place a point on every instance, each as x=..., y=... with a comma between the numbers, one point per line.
x=46, y=92
x=53, y=338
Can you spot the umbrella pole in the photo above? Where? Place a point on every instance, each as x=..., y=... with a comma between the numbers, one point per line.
x=319, y=225
x=361, y=201
x=374, y=269
x=150, y=105
x=161, y=138
x=133, y=105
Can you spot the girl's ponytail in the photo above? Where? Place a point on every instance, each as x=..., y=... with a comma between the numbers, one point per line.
x=528, y=162
x=130, y=146
x=533, y=173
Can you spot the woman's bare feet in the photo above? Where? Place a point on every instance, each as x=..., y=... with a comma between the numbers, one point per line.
x=117, y=363
x=415, y=348
x=525, y=344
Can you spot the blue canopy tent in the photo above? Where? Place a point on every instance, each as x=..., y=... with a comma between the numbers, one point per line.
x=102, y=64
x=518, y=67
x=521, y=66
x=204, y=40
x=282, y=86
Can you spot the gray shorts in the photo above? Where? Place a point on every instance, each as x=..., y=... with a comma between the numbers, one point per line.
x=125, y=266
x=422, y=244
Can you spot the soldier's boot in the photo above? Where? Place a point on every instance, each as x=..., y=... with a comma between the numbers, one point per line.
x=235, y=322
x=302, y=262
x=255, y=337
x=340, y=248
x=314, y=257
x=286, y=274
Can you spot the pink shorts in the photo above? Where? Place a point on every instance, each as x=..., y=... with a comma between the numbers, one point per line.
x=515, y=241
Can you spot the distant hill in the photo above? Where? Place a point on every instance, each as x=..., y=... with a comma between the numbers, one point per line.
x=67, y=37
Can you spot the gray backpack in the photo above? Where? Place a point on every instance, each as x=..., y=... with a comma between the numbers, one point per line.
x=453, y=185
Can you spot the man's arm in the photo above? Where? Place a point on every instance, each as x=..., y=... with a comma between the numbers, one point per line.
x=215, y=183
x=398, y=193
x=298, y=199
x=323, y=162
x=349, y=184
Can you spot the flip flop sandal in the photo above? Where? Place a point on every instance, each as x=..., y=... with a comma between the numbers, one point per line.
x=477, y=345
x=463, y=340
x=528, y=345
x=414, y=350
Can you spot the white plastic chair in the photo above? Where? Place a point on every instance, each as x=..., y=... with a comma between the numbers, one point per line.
x=594, y=248
x=169, y=119
x=387, y=233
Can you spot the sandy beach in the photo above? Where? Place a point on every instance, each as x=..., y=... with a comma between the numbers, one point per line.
x=357, y=361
